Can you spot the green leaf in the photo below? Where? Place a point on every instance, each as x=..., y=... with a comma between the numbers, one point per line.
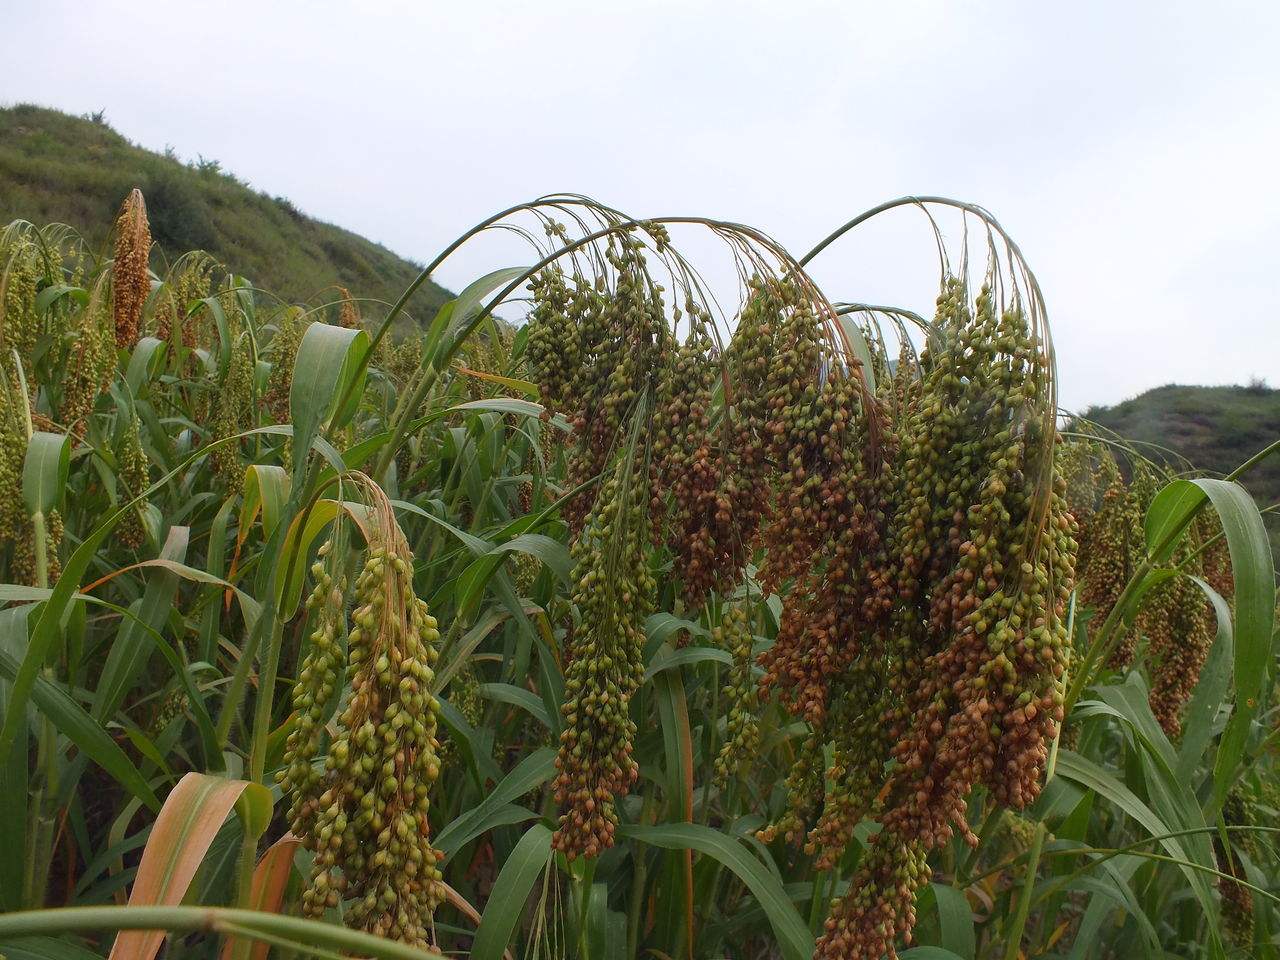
x=474, y=544
x=215, y=561
x=476, y=576
x=467, y=304
x=677, y=740
x=130, y=651
x=144, y=363
x=474, y=748
x=266, y=489
x=662, y=626
x=597, y=919
x=327, y=367
x=531, y=772
x=1211, y=690
x=794, y=939
x=955, y=920
x=1170, y=797
x=510, y=892
x=1170, y=511
x=214, y=305
x=71, y=720
x=54, y=611
x=1255, y=603
x=524, y=408
x=858, y=343
x=1251, y=565
x=1092, y=777
x=551, y=552
x=14, y=774
x=455, y=658
x=439, y=324
x=668, y=659
x=44, y=472
x=1255, y=588
x=296, y=547
x=518, y=697
x=254, y=807
x=294, y=932
x=673, y=713
x=50, y=295
x=130, y=617
x=1116, y=889
x=104, y=858
x=507, y=814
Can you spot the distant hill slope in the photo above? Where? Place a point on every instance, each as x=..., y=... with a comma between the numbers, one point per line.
x=58, y=168
x=1216, y=428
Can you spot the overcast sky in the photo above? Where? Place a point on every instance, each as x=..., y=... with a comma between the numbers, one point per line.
x=1132, y=149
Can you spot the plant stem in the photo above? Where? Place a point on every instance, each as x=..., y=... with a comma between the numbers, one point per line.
x=263, y=704
x=244, y=885
x=1107, y=853
x=270, y=624
x=971, y=858
x=636, y=903
x=583, y=885
x=43, y=812
x=257, y=771
x=41, y=535
x=220, y=920
x=403, y=412
x=1028, y=889
x=1253, y=461
x=281, y=943
x=45, y=799
x=816, y=900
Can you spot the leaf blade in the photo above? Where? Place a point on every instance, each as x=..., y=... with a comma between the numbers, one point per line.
x=531, y=855
x=793, y=935
x=189, y=820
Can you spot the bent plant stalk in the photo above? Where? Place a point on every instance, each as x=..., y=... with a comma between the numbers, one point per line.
x=293, y=932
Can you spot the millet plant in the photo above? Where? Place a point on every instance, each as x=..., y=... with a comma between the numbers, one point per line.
x=609, y=612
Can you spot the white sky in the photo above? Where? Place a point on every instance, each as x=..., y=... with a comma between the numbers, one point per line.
x=1131, y=148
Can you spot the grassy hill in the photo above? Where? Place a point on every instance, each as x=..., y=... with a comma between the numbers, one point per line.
x=58, y=168
x=1216, y=428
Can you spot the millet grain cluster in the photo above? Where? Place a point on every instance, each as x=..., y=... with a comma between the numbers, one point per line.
x=973, y=641
x=365, y=815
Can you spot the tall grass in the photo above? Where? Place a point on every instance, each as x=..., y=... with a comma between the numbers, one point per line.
x=164, y=527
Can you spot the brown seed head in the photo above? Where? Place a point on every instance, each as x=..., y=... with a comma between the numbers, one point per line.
x=130, y=277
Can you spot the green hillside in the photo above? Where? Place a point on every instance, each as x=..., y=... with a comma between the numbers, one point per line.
x=1216, y=428
x=58, y=168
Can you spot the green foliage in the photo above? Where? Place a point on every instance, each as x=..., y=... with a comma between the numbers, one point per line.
x=570, y=755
